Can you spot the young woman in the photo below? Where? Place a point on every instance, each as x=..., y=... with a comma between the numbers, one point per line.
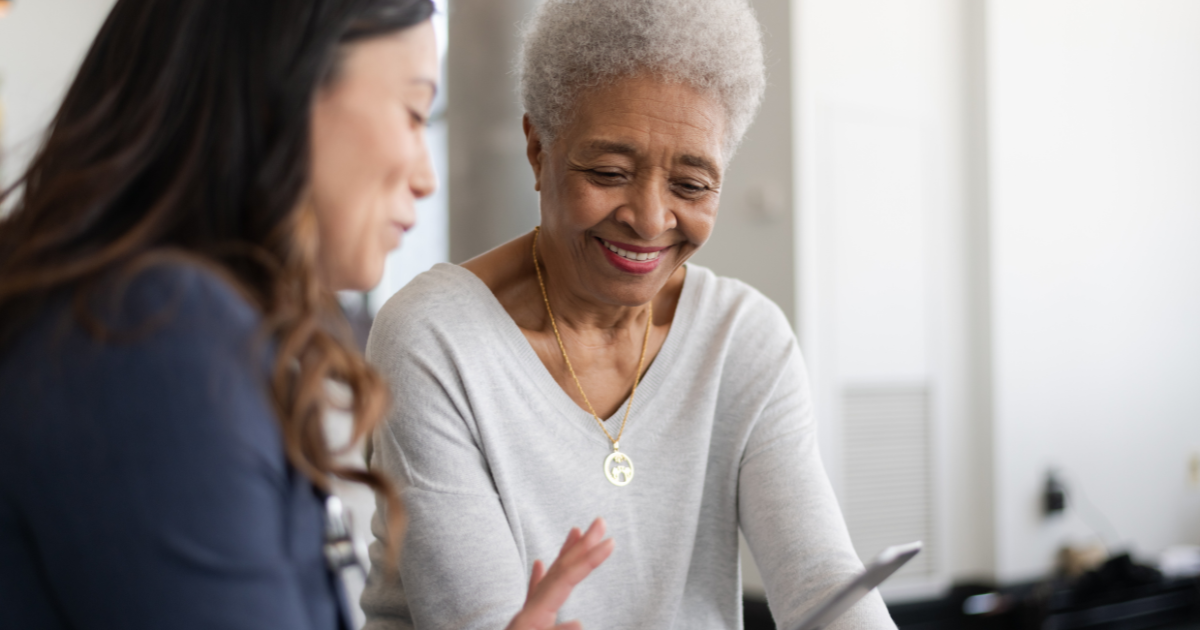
x=167, y=323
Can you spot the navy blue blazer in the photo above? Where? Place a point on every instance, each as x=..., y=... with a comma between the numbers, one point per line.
x=143, y=482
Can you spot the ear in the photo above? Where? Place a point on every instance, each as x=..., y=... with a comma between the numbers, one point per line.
x=533, y=150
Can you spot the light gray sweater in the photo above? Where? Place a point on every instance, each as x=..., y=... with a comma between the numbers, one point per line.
x=497, y=463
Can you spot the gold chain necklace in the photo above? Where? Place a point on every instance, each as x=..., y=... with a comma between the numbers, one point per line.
x=618, y=468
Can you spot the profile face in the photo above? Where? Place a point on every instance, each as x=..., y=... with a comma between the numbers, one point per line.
x=630, y=188
x=370, y=161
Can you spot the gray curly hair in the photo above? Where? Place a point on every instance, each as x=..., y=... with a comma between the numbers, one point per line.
x=573, y=45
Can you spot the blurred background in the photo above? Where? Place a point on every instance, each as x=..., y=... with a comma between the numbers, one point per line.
x=982, y=218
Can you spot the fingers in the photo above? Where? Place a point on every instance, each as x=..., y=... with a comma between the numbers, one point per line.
x=594, y=533
x=539, y=571
x=571, y=567
x=581, y=545
x=570, y=625
x=572, y=538
x=550, y=588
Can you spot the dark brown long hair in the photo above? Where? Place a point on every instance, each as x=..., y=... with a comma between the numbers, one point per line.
x=186, y=132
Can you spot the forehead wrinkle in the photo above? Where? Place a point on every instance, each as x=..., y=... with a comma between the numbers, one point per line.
x=660, y=110
x=631, y=125
x=601, y=146
x=665, y=123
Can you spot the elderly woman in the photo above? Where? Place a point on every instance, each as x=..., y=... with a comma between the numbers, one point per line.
x=585, y=369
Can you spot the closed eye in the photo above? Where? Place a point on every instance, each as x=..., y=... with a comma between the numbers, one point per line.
x=689, y=189
x=607, y=177
x=417, y=118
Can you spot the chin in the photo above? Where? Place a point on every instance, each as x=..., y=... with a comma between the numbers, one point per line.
x=631, y=294
x=364, y=280
x=370, y=282
x=630, y=289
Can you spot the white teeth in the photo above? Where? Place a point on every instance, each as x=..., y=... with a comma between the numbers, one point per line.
x=628, y=255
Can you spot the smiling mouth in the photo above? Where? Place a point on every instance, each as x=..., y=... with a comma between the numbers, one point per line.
x=631, y=256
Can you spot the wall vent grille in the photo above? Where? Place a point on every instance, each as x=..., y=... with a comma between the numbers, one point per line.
x=888, y=474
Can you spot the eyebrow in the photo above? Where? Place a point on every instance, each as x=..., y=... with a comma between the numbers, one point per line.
x=620, y=148
x=701, y=162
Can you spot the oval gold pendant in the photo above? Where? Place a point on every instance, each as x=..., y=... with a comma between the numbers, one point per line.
x=618, y=468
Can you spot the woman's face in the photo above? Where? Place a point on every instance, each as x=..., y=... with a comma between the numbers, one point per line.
x=629, y=189
x=370, y=162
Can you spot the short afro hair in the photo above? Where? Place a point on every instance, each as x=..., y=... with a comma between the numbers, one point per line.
x=571, y=46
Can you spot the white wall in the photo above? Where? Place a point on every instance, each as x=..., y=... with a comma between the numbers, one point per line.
x=41, y=45
x=491, y=197
x=884, y=197
x=1096, y=269
x=1039, y=159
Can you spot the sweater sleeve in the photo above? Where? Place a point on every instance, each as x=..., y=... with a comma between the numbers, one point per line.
x=787, y=508
x=460, y=566
x=154, y=493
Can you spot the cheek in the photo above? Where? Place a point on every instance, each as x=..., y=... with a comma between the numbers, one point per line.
x=395, y=151
x=354, y=244
x=359, y=175
x=696, y=222
x=360, y=152
x=704, y=219
x=583, y=205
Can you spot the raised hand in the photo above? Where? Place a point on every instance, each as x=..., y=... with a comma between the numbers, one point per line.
x=549, y=589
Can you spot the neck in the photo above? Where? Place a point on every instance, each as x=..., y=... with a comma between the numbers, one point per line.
x=584, y=315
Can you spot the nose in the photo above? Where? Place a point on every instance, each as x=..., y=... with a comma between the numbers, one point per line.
x=423, y=181
x=650, y=208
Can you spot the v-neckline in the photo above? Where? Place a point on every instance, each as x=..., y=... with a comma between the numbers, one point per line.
x=539, y=375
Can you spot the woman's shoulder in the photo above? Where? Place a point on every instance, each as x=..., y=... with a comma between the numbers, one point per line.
x=156, y=336
x=172, y=341
x=130, y=309
x=174, y=314
x=444, y=297
x=174, y=295
x=734, y=304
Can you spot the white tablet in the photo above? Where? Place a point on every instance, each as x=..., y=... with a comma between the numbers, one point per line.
x=887, y=563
